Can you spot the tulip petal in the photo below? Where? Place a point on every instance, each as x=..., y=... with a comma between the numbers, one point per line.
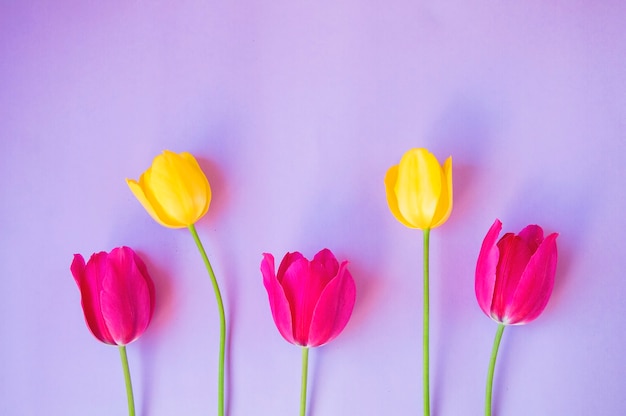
x=179, y=187
x=392, y=200
x=514, y=256
x=127, y=296
x=328, y=262
x=139, y=193
x=532, y=235
x=333, y=309
x=444, y=206
x=201, y=187
x=279, y=304
x=418, y=187
x=303, y=284
x=285, y=263
x=89, y=280
x=535, y=285
x=486, y=268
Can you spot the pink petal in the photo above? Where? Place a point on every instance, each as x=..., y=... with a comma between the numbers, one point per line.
x=532, y=235
x=333, y=309
x=281, y=312
x=89, y=280
x=303, y=283
x=535, y=285
x=328, y=261
x=285, y=263
x=486, y=268
x=514, y=256
x=127, y=297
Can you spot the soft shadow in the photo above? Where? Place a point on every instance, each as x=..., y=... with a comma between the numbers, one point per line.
x=559, y=210
x=149, y=343
x=465, y=131
x=223, y=261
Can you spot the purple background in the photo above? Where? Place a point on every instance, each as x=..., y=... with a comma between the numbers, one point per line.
x=295, y=111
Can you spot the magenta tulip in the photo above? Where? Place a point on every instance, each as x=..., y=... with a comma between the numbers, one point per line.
x=117, y=294
x=514, y=280
x=311, y=301
x=515, y=276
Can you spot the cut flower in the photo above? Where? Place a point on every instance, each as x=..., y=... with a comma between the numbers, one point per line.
x=515, y=275
x=311, y=301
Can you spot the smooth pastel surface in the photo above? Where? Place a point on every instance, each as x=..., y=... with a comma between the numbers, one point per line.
x=295, y=111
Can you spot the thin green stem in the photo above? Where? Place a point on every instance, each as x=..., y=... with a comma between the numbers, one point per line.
x=492, y=366
x=425, y=333
x=305, y=371
x=129, y=384
x=220, y=307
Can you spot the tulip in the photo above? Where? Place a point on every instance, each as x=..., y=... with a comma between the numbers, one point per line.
x=419, y=190
x=117, y=295
x=174, y=190
x=514, y=281
x=311, y=301
x=176, y=193
x=419, y=195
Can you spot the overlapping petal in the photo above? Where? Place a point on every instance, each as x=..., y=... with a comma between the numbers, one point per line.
x=419, y=190
x=117, y=294
x=311, y=301
x=515, y=276
x=173, y=190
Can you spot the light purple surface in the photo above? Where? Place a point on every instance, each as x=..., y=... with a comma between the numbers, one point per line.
x=295, y=111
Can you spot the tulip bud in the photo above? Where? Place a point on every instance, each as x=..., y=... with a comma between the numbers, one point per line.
x=117, y=294
x=419, y=190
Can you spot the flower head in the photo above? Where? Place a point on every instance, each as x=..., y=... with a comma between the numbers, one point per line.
x=174, y=190
x=117, y=294
x=515, y=276
x=419, y=190
x=311, y=301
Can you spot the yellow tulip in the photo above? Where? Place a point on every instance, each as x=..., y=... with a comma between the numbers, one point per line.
x=174, y=190
x=419, y=190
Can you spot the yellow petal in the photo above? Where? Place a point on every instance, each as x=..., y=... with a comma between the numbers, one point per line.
x=392, y=201
x=137, y=190
x=179, y=188
x=444, y=208
x=418, y=187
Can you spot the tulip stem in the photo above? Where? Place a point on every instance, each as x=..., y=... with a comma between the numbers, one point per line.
x=425, y=333
x=220, y=307
x=129, y=384
x=492, y=365
x=305, y=370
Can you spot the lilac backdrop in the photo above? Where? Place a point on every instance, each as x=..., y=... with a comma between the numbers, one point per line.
x=295, y=111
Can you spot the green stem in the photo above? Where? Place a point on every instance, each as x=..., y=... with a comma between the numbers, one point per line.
x=492, y=366
x=129, y=384
x=305, y=370
x=425, y=333
x=220, y=307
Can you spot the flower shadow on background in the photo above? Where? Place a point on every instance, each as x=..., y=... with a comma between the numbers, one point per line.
x=325, y=224
x=544, y=202
x=465, y=130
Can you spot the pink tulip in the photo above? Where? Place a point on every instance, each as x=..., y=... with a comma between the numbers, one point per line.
x=117, y=294
x=515, y=276
x=311, y=301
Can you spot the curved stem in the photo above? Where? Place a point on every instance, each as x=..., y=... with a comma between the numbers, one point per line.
x=129, y=384
x=492, y=365
x=305, y=370
x=425, y=330
x=220, y=307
